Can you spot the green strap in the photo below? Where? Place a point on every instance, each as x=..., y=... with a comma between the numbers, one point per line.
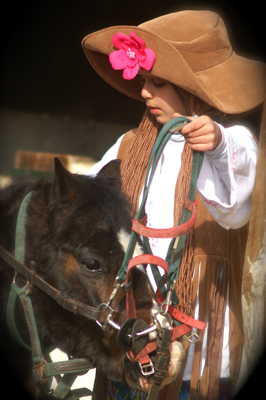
x=77, y=366
x=20, y=235
x=36, y=350
x=64, y=386
x=170, y=128
x=15, y=291
x=21, y=293
x=63, y=389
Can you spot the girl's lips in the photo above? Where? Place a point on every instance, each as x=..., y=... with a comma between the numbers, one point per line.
x=154, y=110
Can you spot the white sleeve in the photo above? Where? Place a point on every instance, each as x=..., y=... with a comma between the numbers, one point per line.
x=110, y=154
x=227, y=177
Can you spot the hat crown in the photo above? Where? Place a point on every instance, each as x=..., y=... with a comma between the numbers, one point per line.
x=200, y=36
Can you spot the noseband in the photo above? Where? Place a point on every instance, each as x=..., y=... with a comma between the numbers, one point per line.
x=168, y=323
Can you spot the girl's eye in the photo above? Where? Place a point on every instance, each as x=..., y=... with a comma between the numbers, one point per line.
x=158, y=82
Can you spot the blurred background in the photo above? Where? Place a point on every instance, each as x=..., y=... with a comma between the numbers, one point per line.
x=52, y=101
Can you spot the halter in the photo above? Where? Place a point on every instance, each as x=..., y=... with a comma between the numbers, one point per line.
x=169, y=323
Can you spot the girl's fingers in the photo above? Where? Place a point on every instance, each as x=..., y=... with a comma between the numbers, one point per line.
x=202, y=133
x=202, y=147
x=206, y=138
x=195, y=124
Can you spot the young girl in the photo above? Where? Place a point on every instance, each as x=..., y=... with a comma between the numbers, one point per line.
x=183, y=64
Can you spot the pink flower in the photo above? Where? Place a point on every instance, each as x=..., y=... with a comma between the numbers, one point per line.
x=132, y=55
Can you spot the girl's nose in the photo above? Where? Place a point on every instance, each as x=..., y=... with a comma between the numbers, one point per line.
x=146, y=91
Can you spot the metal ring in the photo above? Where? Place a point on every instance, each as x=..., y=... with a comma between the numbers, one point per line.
x=112, y=323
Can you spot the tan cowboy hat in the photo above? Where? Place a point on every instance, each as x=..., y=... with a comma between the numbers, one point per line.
x=192, y=51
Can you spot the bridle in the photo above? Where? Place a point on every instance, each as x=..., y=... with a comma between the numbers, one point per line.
x=168, y=323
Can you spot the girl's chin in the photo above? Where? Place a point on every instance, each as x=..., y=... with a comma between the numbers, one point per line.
x=162, y=120
x=160, y=117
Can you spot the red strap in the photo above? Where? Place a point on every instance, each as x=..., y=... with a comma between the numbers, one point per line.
x=142, y=355
x=141, y=259
x=130, y=304
x=186, y=319
x=179, y=331
x=180, y=316
x=147, y=259
x=139, y=226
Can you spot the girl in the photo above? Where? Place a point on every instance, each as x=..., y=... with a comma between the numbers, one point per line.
x=183, y=64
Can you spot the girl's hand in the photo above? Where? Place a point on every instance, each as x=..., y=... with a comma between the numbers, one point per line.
x=202, y=133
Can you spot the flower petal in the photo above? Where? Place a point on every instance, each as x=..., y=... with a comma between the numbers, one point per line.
x=139, y=43
x=118, y=59
x=119, y=39
x=149, y=60
x=130, y=73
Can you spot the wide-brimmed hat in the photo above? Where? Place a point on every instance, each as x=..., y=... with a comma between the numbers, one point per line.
x=192, y=51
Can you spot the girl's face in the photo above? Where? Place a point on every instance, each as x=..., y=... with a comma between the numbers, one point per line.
x=161, y=98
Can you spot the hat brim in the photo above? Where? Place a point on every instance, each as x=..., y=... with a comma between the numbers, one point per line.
x=234, y=86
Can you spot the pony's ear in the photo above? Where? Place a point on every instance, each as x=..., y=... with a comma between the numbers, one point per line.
x=112, y=170
x=64, y=186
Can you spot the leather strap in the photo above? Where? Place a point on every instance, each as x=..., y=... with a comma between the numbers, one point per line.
x=147, y=259
x=139, y=226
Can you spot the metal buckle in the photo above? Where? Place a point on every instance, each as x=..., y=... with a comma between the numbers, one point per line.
x=166, y=304
x=21, y=290
x=147, y=368
x=108, y=321
x=104, y=307
x=147, y=331
x=163, y=321
x=193, y=337
x=112, y=323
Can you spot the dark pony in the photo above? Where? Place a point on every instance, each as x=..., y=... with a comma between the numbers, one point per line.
x=73, y=240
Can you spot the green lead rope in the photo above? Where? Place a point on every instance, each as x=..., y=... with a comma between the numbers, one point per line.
x=172, y=127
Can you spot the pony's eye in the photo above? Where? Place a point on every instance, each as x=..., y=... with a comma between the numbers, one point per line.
x=92, y=265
